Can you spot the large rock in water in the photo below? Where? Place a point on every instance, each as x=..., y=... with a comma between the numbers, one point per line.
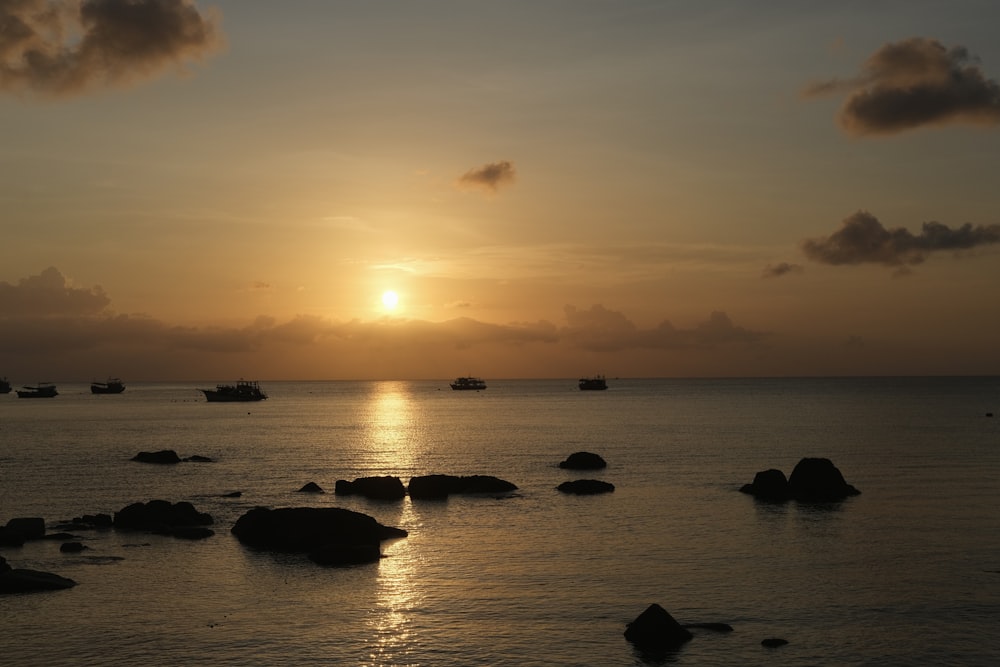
x=163, y=456
x=655, y=628
x=818, y=480
x=160, y=516
x=29, y=581
x=439, y=487
x=583, y=461
x=375, y=488
x=305, y=529
x=32, y=528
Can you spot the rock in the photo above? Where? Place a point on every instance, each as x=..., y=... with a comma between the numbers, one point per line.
x=29, y=581
x=341, y=555
x=375, y=488
x=586, y=487
x=191, y=532
x=160, y=516
x=33, y=528
x=11, y=538
x=773, y=642
x=306, y=529
x=771, y=485
x=164, y=456
x=583, y=461
x=232, y=494
x=818, y=480
x=439, y=487
x=197, y=459
x=311, y=487
x=72, y=547
x=655, y=628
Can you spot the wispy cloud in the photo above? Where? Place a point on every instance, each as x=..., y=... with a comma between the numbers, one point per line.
x=70, y=47
x=862, y=239
x=490, y=177
x=780, y=269
x=913, y=83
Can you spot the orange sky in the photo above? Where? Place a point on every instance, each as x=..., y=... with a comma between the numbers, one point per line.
x=212, y=191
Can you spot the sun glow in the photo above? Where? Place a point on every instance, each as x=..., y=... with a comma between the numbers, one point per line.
x=390, y=299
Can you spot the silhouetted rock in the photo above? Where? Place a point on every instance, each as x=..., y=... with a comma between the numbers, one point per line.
x=655, y=628
x=773, y=642
x=812, y=480
x=586, y=487
x=583, y=461
x=197, y=458
x=439, y=487
x=11, y=538
x=160, y=516
x=307, y=529
x=375, y=488
x=72, y=547
x=33, y=528
x=191, y=532
x=818, y=480
x=14, y=580
x=164, y=456
x=232, y=494
x=340, y=555
x=769, y=485
x=312, y=487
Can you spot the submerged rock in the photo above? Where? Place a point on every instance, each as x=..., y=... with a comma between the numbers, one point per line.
x=583, y=461
x=655, y=628
x=312, y=487
x=773, y=642
x=586, y=487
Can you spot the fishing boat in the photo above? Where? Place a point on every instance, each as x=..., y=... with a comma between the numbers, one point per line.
x=42, y=390
x=596, y=383
x=242, y=391
x=112, y=386
x=4, y=386
x=468, y=383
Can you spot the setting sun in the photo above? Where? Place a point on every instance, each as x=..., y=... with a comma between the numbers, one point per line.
x=390, y=299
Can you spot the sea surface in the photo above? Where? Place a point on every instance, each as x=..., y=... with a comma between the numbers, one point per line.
x=907, y=573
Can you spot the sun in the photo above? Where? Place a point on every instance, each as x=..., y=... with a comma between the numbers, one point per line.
x=390, y=299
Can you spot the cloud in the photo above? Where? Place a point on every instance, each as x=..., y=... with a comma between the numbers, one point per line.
x=603, y=330
x=489, y=177
x=70, y=47
x=863, y=240
x=780, y=269
x=917, y=82
x=49, y=295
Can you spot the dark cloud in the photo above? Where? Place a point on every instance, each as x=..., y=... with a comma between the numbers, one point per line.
x=780, y=269
x=49, y=295
x=68, y=47
x=862, y=239
x=488, y=177
x=914, y=83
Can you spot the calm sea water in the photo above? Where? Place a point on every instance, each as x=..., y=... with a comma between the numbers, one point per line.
x=908, y=573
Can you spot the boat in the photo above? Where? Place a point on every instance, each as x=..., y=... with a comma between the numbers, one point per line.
x=43, y=390
x=596, y=383
x=242, y=391
x=468, y=383
x=112, y=386
x=4, y=386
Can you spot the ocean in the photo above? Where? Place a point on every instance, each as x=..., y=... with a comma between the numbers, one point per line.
x=907, y=573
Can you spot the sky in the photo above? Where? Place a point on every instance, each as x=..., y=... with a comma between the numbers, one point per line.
x=214, y=190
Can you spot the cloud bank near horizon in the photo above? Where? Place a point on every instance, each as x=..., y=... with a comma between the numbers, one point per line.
x=913, y=83
x=61, y=48
x=46, y=316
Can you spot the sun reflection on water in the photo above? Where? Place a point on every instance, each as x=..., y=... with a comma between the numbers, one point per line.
x=391, y=617
x=389, y=428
